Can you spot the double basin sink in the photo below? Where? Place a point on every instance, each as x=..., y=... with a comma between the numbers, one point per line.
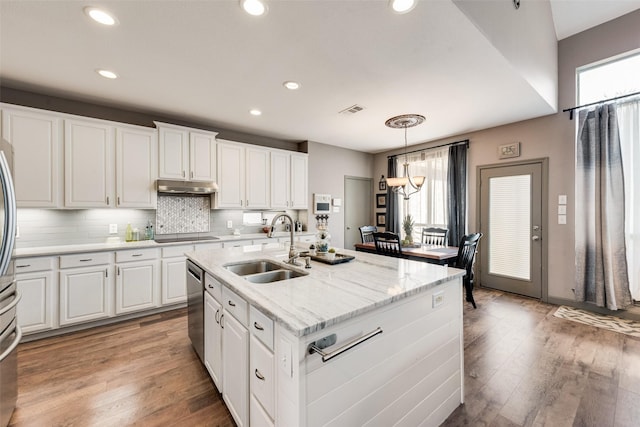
x=263, y=271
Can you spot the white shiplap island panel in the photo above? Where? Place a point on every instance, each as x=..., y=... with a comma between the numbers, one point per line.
x=410, y=374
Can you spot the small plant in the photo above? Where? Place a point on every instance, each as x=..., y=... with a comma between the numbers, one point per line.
x=332, y=250
x=407, y=226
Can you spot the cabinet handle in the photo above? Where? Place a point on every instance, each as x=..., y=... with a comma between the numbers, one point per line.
x=259, y=375
x=258, y=326
x=118, y=200
x=183, y=174
x=221, y=322
x=118, y=271
x=106, y=272
x=86, y=259
x=232, y=304
x=23, y=266
x=216, y=317
x=247, y=204
x=191, y=174
x=314, y=347
x=136, y=255
x=209, y=285
x=107, y=200
x=241, y=203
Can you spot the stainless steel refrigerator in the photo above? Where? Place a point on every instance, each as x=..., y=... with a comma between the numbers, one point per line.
x=10, y=333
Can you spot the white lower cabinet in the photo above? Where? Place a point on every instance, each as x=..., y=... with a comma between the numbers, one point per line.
x=38, y=286
x=235, y=357
x=86, y=293
x=174, y=274
x=213, y=338
x=137, y=282
x=258, y=417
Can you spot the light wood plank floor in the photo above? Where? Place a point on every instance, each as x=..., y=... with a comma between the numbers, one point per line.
x=524, y=367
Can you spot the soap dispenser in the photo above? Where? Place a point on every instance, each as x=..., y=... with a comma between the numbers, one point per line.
x=128, y=237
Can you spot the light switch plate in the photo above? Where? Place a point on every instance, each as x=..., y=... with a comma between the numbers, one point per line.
x=562, y=199
x=229, y=224
x=336, y=209
x=562, y=219
x=113, y=228
x=438, y=299
x=285, y=356
x=562, y=209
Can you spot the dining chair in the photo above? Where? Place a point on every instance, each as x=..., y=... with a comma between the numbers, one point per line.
x=466, y=255
x=366, y=233
x=388, y=244
x=435, y=236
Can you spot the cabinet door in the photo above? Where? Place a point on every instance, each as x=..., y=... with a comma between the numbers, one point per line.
x=173, y=150
x=137, y=286
x=136, y=168
x=258, y=416
x=36, y=308
x=230, y=175
x=202, y=156
x=280, y=180
x=89, y=171
x=174, y=280
x=36, y=144
x=257, y=178
x=235, y=382
x=213, y=339
x=262, y=382
x=85, y=294
x=299, y=183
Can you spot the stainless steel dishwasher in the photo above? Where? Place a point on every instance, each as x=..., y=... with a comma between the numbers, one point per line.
x=195, y=303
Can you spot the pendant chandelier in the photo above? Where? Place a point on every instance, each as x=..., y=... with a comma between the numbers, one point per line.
x=403, y=185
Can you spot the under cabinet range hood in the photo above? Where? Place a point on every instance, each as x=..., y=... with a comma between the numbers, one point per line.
x=169, y=186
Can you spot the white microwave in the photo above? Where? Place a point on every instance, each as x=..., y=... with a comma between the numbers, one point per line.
x=321, y=204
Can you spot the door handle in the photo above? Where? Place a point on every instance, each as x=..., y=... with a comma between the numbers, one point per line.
x=535, y=238
x=348, y=228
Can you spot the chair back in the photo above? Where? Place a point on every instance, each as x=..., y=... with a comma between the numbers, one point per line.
x=388, y=244
x=366, y=233
x=435, y=236
x=467, y=252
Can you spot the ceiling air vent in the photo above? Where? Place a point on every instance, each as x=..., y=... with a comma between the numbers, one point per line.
x=355, y=108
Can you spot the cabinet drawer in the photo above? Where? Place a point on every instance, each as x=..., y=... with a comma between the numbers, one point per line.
x=84, y=260
x=136, y=255
x=261, y=326
x=257, y=416
x=175, y=251
x=205, y=246
x=27, y=265
x=234, y=304
x=213, y=287
x=262, y=383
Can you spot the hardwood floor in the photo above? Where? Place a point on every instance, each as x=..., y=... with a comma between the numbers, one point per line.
x=523, y=367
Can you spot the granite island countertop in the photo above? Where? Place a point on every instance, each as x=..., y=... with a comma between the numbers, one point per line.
x=329, y=294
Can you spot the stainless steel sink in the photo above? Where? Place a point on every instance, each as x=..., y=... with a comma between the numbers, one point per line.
x=263, y=271
x=252, y=267
x=274, y=276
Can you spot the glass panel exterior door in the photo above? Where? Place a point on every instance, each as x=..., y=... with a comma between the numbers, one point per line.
x=511, y=222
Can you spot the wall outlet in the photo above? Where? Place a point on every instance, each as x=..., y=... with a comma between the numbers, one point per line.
x=113, y=228
x=229, y=224
x=17, y=232
x=438, y=299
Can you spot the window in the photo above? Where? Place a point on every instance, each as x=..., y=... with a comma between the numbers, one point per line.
x=613, y=78
x=428, y=207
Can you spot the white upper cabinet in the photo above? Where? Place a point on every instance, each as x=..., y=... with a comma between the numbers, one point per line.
x=280, y=179
x=186, y=153
x=299, y=181
x=35, y=136
x=89, y=169
x=257, y=178
x=231, y=175
x=136, y=167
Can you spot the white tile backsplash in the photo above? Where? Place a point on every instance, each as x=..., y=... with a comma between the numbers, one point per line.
x=183, y=214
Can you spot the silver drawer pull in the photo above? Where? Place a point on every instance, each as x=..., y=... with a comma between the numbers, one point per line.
x=258, y=326
x=232, y=304
x=23, y=266
x=210, y=286
x=259, y=375
x=86, y=259
x=313, y=348
x=136, y=255
x=216, y=317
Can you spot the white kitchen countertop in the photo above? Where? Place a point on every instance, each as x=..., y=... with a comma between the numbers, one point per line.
x=330, y=294
x=122, y=245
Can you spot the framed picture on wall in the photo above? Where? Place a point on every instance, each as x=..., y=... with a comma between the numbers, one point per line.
x=380, y=219
x=381, y=200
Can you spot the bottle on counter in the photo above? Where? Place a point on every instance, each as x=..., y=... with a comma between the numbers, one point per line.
x=136, y=235
x=128, y=235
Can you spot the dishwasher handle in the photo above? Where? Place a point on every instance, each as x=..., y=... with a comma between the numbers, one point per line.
x=194, y=271
x=315, y=347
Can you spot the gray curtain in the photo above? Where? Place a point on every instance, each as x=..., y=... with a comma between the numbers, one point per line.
x=457, y=188
x=601, y=263
x=393, y=218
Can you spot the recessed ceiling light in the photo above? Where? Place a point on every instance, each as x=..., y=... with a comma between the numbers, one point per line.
x=107, y=74
x=255, y=112
x=100, y=16
x=254, y=7
x=402, y=6
x=291, y=85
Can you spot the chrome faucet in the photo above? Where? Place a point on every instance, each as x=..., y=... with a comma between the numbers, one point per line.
x=293, y=254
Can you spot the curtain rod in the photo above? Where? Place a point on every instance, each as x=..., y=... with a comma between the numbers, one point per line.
x=465, y=141
x=571, y=110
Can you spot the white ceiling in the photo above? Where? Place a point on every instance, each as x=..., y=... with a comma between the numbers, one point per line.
x=209, y=62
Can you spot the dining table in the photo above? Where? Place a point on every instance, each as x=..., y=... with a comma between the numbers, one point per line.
x=434, y=254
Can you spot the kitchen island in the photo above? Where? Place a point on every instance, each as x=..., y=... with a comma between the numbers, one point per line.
x=389, y=330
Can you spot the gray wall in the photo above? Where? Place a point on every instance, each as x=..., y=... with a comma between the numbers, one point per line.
x=328, y=166
x=551, y=136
